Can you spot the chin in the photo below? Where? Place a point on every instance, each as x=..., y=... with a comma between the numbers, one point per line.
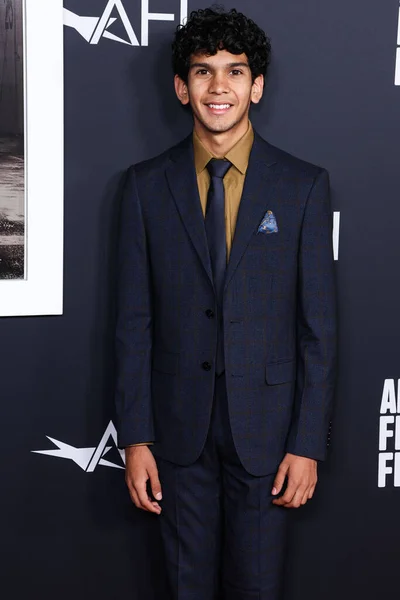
x=219, y=127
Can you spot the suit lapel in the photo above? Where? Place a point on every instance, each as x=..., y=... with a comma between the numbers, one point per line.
x=258, y=194
x=182, y=180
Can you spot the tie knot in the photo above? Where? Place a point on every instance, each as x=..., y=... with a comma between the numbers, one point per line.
x=217, y=167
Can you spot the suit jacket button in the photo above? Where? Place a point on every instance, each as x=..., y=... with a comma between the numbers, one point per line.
x=206, y=366
x=210, y=313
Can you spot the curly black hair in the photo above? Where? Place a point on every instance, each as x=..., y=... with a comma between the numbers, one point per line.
x=211, y=29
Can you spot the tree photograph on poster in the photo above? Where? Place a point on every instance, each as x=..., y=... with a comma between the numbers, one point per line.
x=31, y=176
x=12, y=167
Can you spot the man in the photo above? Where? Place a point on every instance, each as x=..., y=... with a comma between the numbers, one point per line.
x=226, y=330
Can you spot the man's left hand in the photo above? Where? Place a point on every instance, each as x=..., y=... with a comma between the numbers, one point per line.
x=302, y=479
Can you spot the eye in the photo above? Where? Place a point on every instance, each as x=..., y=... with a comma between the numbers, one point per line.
x=236, y=72
x=201, y=72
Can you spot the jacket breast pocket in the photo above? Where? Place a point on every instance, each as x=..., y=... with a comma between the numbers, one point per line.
x=165, y=362
x=280, y=372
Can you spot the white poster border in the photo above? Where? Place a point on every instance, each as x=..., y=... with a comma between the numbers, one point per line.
x=41, y=292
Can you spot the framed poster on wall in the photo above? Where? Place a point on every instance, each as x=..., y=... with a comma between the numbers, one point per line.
x=31, y=157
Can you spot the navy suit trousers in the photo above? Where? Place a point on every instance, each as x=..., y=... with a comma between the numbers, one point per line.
x=223, y=537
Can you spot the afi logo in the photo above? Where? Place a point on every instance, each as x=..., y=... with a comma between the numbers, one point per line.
x=397, y=74
x=88, y=458
x=94, y=28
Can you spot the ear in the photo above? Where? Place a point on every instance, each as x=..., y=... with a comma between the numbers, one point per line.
x=181, y=90
x=257, y=89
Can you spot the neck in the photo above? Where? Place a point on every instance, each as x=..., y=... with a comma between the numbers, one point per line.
x=220, y=143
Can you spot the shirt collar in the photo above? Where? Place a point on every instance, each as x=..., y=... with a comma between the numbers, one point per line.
x=238, y=155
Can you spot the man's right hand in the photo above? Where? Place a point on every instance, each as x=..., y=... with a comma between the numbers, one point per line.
x=141, y=466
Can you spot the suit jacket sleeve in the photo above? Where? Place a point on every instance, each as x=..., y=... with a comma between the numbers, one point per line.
x=316, y=327
x=134, y=323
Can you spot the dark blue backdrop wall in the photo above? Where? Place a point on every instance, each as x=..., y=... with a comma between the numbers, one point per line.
x=70, y=530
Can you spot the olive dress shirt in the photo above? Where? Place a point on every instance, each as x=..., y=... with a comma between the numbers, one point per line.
x=233, y=183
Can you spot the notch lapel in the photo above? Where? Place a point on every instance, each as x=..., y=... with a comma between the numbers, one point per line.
x=182, y=181
x=258, y=194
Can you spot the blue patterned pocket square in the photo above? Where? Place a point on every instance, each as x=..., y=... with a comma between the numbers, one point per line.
x=268, y=224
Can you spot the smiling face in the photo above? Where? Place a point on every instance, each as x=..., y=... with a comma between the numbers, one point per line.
x=220, y=91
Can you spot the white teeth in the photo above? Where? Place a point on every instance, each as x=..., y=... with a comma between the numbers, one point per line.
x=219, y=106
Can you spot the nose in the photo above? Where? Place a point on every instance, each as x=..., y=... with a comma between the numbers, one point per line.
x=219, y=84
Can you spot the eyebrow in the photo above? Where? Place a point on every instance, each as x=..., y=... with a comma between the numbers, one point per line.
x=208, y=66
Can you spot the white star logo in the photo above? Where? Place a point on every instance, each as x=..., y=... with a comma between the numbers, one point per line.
x=87, y=458
x=94, y=28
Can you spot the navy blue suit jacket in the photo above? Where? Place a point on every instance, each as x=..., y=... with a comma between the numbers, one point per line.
x=279, y=311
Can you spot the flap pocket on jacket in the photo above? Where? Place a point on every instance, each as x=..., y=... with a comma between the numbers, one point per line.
x=280, y=372
x=166, y=362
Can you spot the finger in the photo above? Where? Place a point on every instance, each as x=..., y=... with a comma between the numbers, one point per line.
x=131, y=490
x=153, y=502
x=287, y=496
x=311, y=492
x=155, y=483
x=279, y=480
x=134, y=496
x=305, y=497
x=144, y=500
x=296, y=500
